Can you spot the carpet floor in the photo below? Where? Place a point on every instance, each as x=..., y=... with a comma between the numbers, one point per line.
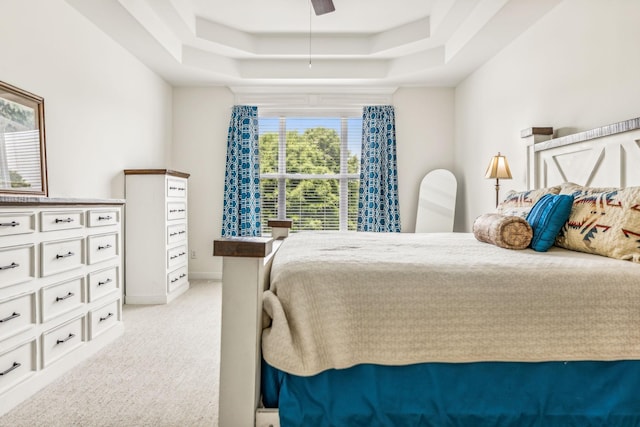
x=163, y=371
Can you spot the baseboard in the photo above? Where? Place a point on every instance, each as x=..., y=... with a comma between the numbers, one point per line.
x=205, y=275
x=267, y=418
x=156, y=299
x=149, y=299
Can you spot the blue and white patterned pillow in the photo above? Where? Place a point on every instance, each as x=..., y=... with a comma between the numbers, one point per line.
x=519, y=203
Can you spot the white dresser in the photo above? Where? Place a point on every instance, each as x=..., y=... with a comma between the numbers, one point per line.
x=157, y=250
x=60, y=288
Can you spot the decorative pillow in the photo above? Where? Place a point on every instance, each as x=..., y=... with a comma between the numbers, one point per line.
x=547, y=217
x=510, y=232
x=603, y=222
x=520, y=203
x=571, y=188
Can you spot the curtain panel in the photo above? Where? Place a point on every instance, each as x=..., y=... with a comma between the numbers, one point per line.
x=241, y=214
x=378, y=207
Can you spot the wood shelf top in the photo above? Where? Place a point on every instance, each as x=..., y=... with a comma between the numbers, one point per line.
x=283, y=223
x=251, y=247
x=156, y=172
x=33, y=201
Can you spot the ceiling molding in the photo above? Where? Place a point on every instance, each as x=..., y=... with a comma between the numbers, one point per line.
x=417, y=42
x=306, y=100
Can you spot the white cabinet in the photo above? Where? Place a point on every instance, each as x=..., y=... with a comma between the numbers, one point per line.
x=60, y=273
x=157, y=250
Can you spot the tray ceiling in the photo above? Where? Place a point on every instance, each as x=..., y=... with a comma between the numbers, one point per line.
x=373, y=43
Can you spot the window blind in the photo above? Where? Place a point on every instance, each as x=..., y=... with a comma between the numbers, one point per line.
x=310, y=170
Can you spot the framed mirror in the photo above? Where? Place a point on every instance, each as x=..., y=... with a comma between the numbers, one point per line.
x=23, y=165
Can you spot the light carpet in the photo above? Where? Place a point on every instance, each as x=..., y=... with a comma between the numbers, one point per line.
x=163, y=371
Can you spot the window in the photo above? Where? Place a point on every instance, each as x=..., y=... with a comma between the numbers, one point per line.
x=310, y=171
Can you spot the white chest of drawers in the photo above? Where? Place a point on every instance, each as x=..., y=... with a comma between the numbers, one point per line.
x=60, y=269
x=157, y=250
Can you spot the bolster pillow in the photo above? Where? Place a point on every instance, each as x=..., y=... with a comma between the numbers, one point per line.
x=509, y=232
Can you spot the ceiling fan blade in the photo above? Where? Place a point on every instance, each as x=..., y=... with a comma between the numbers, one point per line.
x=323, y=6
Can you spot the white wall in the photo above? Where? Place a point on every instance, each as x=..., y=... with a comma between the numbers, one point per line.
x=201, y=121
x=424, y=130
x=104, y=110
x=576, y=69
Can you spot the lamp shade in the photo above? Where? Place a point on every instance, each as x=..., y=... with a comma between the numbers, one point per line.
x=498, y=168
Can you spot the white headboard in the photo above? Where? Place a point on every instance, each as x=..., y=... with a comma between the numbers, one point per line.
x=608, y=156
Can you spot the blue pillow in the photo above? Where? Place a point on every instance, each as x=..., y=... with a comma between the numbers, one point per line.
x=547, y=217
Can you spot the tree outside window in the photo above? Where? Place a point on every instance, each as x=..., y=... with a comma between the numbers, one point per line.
x=310, y=171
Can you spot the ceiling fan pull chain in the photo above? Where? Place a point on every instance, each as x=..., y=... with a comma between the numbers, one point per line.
x=310, y=33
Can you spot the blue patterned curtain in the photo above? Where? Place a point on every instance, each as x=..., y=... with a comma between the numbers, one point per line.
x=241, y=215
x=378, y=207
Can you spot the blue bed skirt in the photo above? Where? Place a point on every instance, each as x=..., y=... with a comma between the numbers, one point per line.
x=483, y=394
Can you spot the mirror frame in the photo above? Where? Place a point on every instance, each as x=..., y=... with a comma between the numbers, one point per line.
x=27, y=97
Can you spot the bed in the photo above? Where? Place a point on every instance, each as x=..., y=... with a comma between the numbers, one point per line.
x=494, y=337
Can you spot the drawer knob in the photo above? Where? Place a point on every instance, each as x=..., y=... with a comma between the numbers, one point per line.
x=104, y=218
x=103, y=247
x=64, y=220
x=68, y=254
x=64, y=340
x=10, y=266
x=105, y=282
x=15, y=365
x=69, y=295
x=9, y=224
x=102, y=319
x=13, y=316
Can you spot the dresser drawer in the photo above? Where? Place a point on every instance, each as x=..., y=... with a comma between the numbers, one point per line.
x=102, y=283
x=101, y=218
x=176, y=187
x=61, y=255
x=17, y=265
x=176, y=210
x=61, y=340
x=176, y=233
x=177, y=278
x=16, y=365
x=61, y=298
x=17, y=223
x=176, y=256
x=60, y=220
x=102, y=247
x=103, y=318
x=17, y=314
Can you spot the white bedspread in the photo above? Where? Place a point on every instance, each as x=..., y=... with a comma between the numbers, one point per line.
x=341, y=299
